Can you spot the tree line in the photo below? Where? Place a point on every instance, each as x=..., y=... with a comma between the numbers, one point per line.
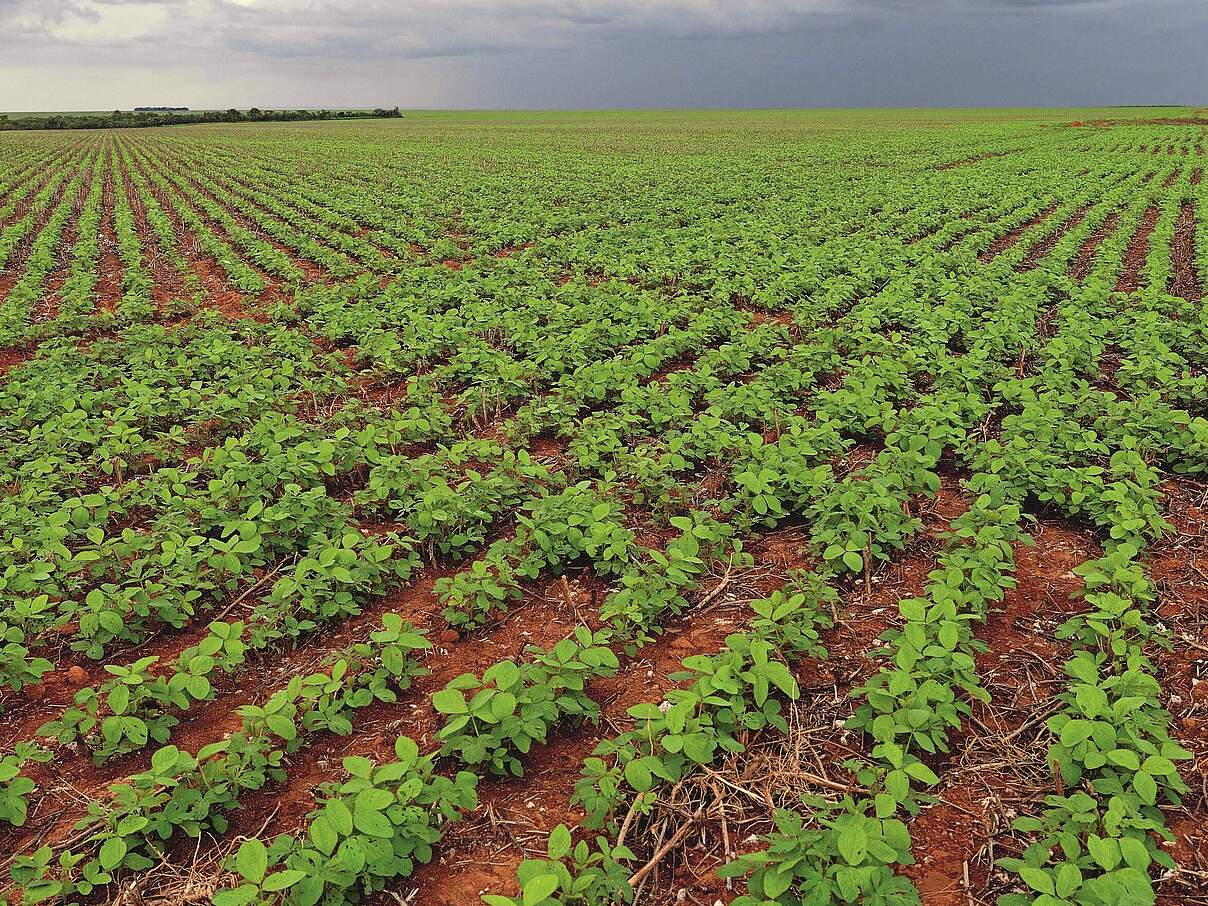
x=121, y=119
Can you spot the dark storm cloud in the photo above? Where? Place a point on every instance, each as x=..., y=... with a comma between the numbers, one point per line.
x=1036, y=4
x=98, y=53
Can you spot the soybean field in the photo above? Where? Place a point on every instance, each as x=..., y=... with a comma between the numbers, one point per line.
x=769, y=508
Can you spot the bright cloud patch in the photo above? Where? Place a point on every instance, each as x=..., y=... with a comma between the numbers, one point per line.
x=106, y=23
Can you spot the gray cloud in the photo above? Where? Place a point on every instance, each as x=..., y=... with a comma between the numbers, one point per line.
x=599, y=52
x=416, y=28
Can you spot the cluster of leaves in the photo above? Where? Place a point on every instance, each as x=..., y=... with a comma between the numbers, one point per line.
x=328, y=583
x=910, y=705
x=653, y=588
x=185, y=794
x=553, y=532
x=847, y=856
x=726, y=697
x=18, y=668
x=26, y=294
x=448, y=508
x=365, y=831
x=1111, y=748
x=14, y=789
x=142, y=706
x=574, y=874
x=495, y=719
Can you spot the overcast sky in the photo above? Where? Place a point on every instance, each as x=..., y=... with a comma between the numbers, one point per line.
x=103, y=54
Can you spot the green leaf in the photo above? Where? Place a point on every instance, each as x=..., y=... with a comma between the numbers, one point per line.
x=373, y=800
x=1146, y=787
x=1082, y=668
x=119, y=698
x=776, y=882
x=1134, y=853
x=853, y=843
x=339, y=815
x=449, y=701
x=948, y=635
x=1076, y=731
x=322, y=834
x=504, y=674
x=282, y=726
x=251, y=860
x=637, y=775
x=199, y=687
x=132, y=824
x=283, y=879
x=920, y=771
x=913, y=609
x=503, y=704
x=238, y=896
x=112, y=852
x=1159, y=766
x=1125, y=758
x=375, y=824
x=1036, y=878
x=779, y=674
x=559, y=842
x=1106, y=852
x=358, y=766
x=135, y=730
x=1069, y=879
x=538, y=889
x=886, y=805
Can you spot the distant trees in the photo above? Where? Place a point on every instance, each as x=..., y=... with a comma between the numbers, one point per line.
x=142, y=118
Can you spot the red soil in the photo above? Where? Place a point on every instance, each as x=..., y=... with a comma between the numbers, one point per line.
x=1178, y=570
x=15, y=266
x=986, y=779
x=508, y=250
x=1138, y=248
x=110, y=271
x=1185, y=277
x=1084, y=260
x=13, y=356
x=1011, y=237
x=1037, y=252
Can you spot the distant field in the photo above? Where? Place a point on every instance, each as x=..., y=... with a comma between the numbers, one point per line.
x=567, y=506
x=881, y=117
x=15, y=114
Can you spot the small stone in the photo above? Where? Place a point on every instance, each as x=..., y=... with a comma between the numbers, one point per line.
x=77, y=676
